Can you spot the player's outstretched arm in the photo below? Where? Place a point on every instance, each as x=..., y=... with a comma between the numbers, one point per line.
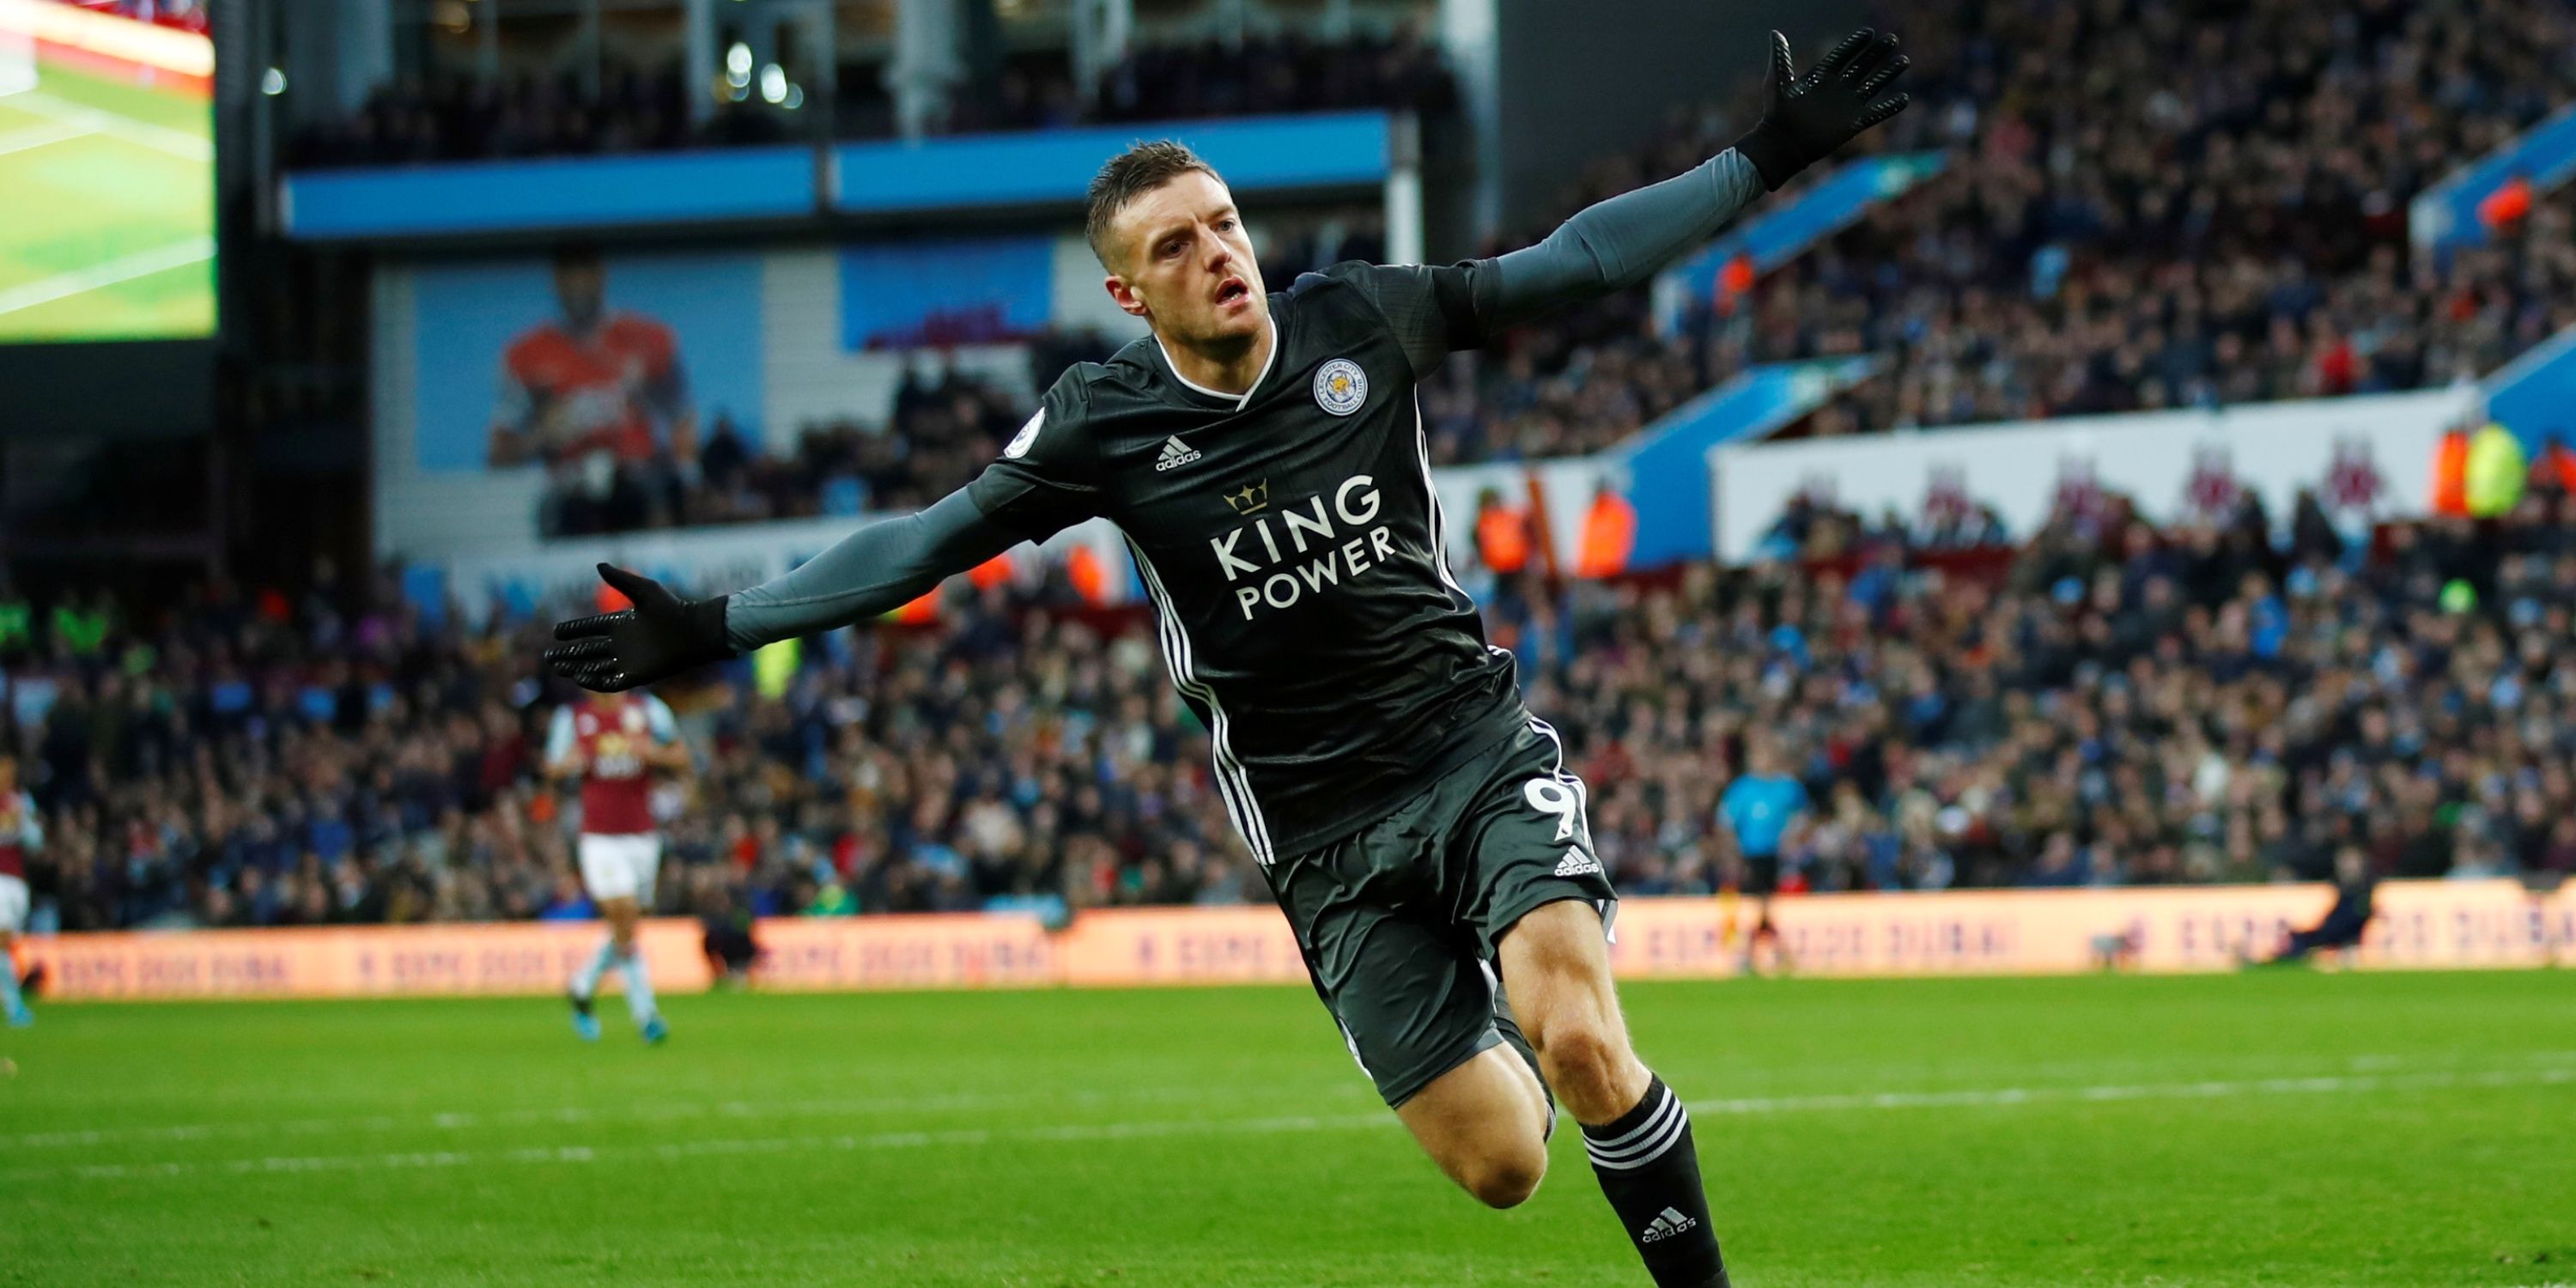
x=1805, y=118
x=872, y=571
x=1618, y=243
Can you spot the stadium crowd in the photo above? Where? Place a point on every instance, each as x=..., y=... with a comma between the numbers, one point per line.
x=2213, y=212
x=454, y=117
x=942, y=428
x=2207, y=204
x=2236, y=235
x=2110, y=704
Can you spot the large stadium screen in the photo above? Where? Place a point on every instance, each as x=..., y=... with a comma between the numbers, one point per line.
x=107, y=158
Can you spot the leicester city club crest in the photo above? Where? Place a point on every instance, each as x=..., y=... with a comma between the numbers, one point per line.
x=1340, y=386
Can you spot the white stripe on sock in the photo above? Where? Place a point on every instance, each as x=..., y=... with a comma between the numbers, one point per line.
x=1648, y=1154
x=1625, y=1138
x=1666, y=1128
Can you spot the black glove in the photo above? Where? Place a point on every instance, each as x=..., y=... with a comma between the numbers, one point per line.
x=1804, y=118
x=661, y=636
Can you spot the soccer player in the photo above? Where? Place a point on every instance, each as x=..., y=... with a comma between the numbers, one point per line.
x=2346, y=921
x=1265, y=458
x=20, y=835
x=611, y=743
x=595, y=381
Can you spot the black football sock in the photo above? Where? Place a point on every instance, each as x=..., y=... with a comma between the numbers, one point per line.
x=1649, y=1170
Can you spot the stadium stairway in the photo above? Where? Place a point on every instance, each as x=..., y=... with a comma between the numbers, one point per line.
x=2446, y=215
x=1667, y=461
x=2535, y=394
x=1783, y=232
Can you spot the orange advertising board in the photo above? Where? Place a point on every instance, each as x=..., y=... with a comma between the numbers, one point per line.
x=1136, y=946
x=350, y=961
x=932, y=950
x=2421, y=924
x=2032, y=932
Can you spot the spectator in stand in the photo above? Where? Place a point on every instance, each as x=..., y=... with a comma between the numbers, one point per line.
x=2115, y=703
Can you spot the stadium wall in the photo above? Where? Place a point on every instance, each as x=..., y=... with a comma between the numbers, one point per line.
x=917, y=180
x=2421, y=925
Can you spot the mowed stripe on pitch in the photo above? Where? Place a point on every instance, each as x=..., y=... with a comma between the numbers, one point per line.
x=1988, y=1098
x=124, y=268
x=160, y=138
x=42, y=134
x=1058, y=1099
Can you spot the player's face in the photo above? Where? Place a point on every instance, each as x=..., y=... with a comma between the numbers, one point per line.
x=582, y=288
x=1186, y=264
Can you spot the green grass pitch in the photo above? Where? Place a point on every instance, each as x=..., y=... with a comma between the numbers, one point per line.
x=109, y=224
x=2277, y=1129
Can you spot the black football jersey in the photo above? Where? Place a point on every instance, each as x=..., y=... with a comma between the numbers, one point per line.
x=1292, y=546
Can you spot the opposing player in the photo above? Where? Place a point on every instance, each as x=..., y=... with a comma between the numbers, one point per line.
x=1264, y=455
x=21, y=835
x=612, y=744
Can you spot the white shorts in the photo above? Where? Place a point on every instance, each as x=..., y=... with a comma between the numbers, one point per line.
x=620, y=867
x=13, y=905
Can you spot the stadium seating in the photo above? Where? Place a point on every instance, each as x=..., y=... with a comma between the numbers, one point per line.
x=2109, y=705
x=448, y=118
x=2238, y=237
x=939, y=432
x=2214, y=212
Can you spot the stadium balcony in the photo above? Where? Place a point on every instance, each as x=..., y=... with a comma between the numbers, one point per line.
x=636, y=108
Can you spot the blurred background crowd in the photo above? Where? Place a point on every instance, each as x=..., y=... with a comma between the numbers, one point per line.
x=636, y=109
x=2236, y=234
x=2108, y=704
x=2146, y=203
x=2208, y=207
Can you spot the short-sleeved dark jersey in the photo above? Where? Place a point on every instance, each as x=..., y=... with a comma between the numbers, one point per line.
x=1292, y=545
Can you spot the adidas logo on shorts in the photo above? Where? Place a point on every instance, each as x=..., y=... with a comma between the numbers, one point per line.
x=1666, y=1225
x=1576, y=863
x=1175, y=455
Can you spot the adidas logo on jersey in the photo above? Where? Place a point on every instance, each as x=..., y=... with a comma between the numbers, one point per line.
x=1175, y=455
x=1666, y=1225
x=1576, y=863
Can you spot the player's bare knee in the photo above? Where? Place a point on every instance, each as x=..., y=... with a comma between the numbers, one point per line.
x=1506, y=1178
